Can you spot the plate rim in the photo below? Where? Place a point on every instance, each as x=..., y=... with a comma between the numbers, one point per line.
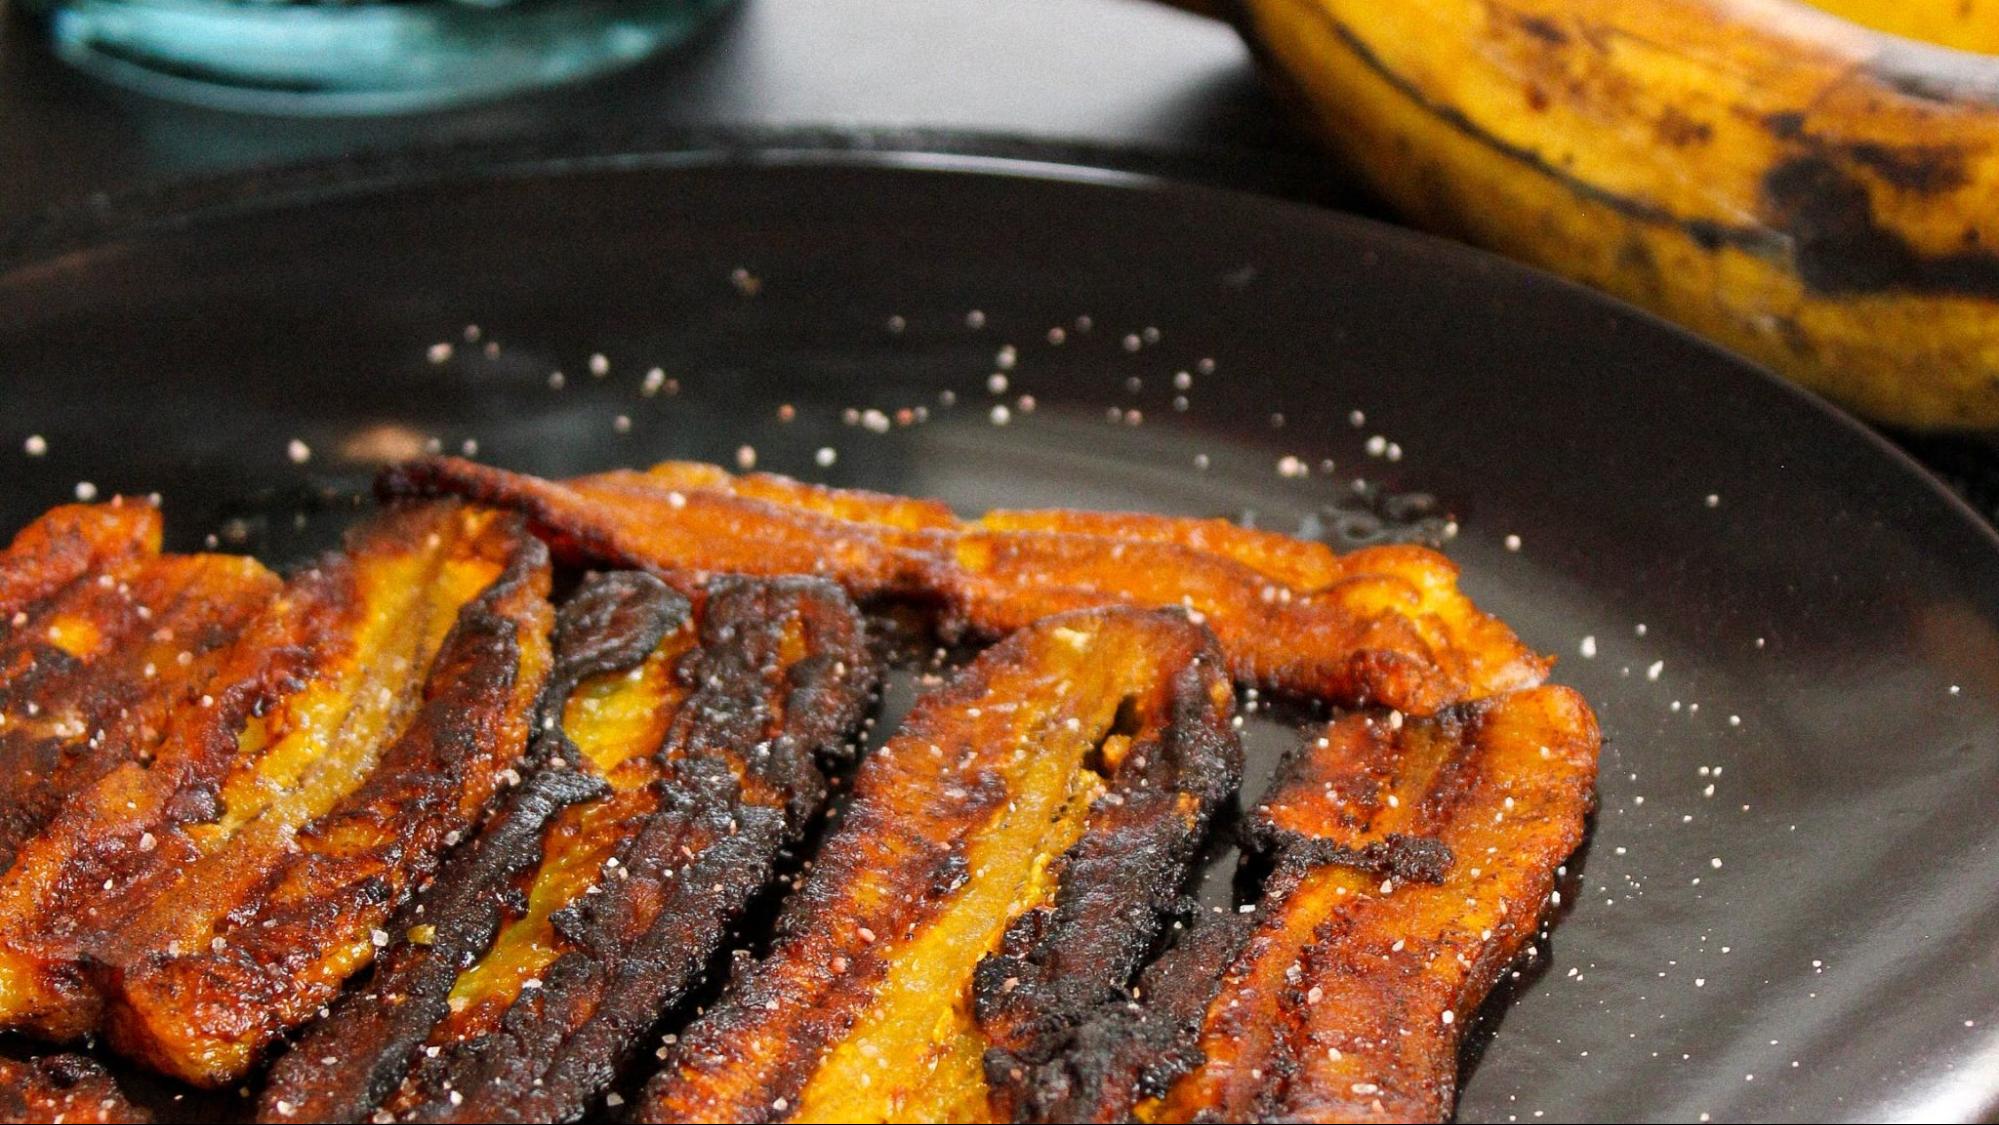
x=100, y=220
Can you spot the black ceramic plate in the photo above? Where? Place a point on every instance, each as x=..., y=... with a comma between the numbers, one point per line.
x=1786, y=908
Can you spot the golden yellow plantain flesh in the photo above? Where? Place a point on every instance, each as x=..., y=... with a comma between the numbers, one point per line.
x=1821, y=197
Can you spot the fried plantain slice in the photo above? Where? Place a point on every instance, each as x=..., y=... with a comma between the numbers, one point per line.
x=547, y=957
x=1173, y=759
x=93, y=685
x=713, y=770
x=1298, y=563
x=116, y=840
x=63, y=1089
x=93, y=864
x=629, y=519
x=95, y=674
x=1412, y=866
x=340, y=794
x=344, y=1066
x=68, y=542
x=969, y=901
x=1385, y=625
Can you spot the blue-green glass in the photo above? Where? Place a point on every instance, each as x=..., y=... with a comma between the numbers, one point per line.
x=360, y=56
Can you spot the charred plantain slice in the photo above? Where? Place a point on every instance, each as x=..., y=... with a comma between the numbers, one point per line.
x=67, y=543
x=340, y=795
x=983, y=832
x=345, y=1065
x=1132, y=1047
x=548, y=961
x=1385, y=625
x=88, y=681
x=615, y=625
x=781, y=676
x=634, y=895
x=61, y=1089
x=1412, y=866
x=1172, y=759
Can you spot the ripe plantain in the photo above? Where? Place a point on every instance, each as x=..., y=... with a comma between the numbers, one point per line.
x=1812, y=193
x=1968, y=25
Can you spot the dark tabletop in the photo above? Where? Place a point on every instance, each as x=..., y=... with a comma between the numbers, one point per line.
x=1117, y=81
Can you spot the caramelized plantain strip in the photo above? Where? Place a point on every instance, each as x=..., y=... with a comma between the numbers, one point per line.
x=97, y=672
x=341, y=796
x=1359, y=639
x=981, y=832
x=1385, y=625
x=346, y=1065
x=116, y=841
x=706, y=753
x=1298, y=563
x=65, y=544
x=629, y=519
x=61, y=1090
x=99, y=685
x=1412, y=866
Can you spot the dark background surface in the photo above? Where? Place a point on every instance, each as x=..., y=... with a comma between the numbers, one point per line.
x=1128, y=82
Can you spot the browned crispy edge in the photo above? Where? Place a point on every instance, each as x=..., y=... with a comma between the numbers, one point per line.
x=1132, y=1047
x=572, y=542
x=68, y=542
x=1117, y=885
x=642, y=945
x=163, y=1007
x=60, y=1089
x=344, y=1066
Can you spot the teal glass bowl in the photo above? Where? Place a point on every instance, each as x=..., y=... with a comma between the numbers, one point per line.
x=359, y=56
